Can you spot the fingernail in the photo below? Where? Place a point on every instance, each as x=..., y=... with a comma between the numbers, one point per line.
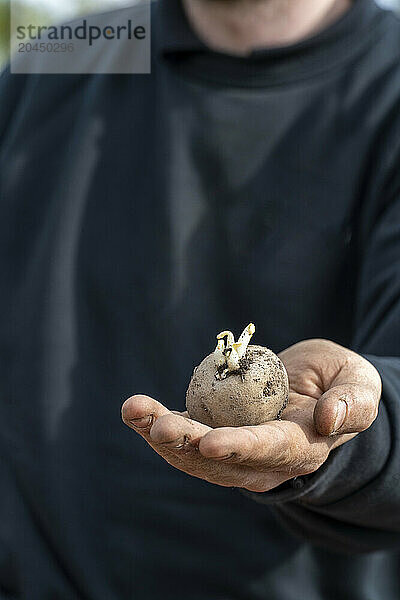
x=175, y=444
x=226, y=457
x=142, y=423
x=340, y=415
x=178, y=444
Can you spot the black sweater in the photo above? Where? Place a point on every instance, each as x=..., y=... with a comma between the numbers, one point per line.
x=139, y=215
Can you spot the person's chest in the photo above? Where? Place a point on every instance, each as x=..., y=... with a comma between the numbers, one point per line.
x=149, y=217
x=172, y=211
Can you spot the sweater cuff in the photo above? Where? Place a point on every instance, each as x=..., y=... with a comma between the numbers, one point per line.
x=303, y=486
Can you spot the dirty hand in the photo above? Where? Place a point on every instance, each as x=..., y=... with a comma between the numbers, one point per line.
x=334, y=394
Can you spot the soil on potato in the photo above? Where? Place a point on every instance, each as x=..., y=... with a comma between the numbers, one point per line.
x=256, y=363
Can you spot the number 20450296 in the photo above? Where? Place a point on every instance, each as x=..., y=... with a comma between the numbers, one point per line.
x=45, y=47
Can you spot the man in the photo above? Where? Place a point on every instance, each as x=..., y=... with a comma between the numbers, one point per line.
x=254, y=175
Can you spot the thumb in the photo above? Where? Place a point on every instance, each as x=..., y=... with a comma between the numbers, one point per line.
x=348, y=408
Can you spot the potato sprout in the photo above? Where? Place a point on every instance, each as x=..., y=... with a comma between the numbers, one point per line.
x=228, y=352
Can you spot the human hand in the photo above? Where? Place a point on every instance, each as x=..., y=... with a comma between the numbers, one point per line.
x=334, y=395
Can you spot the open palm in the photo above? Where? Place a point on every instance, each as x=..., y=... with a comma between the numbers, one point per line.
x=334, y=394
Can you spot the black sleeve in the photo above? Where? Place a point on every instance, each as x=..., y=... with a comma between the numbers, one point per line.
x=352, y=503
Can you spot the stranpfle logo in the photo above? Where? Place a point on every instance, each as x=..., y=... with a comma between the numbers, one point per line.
x=82, y=31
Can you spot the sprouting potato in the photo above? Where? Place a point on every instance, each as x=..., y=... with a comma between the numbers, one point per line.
x=238, y=384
